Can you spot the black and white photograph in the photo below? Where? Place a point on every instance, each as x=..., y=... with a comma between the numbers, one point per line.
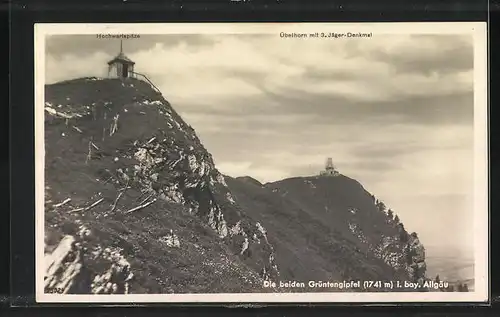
x=303, y=162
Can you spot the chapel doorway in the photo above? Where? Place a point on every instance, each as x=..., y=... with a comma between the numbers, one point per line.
x=125, y=71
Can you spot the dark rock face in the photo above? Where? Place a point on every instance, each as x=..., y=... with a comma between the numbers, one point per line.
x=135, y=204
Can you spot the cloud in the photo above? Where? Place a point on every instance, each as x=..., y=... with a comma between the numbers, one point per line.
x=391, y=67
x=455, y=54
x=237, y=169
x=57, y=45
x=68, y=66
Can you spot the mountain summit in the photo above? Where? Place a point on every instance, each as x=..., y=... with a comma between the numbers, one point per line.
x=135, y=204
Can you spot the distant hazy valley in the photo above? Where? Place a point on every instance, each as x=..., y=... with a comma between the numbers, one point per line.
x=451, y=265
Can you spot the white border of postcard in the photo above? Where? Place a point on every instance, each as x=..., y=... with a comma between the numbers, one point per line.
x=481, y=211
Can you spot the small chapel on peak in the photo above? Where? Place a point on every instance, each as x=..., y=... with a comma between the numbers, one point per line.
x=121, y=66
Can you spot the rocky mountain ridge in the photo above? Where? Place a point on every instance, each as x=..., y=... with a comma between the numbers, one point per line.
x=135, y=204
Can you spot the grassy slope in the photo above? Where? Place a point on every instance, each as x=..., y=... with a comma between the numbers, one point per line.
x=329, y=199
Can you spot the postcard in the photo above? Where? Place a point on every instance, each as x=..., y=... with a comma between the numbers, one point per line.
x=261, y=163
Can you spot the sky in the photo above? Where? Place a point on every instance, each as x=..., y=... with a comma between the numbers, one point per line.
x=394, y=112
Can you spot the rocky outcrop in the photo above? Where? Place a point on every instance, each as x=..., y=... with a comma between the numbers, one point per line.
x=63, y=267
x=67, y=271
x=414, y=253
x=406, y=255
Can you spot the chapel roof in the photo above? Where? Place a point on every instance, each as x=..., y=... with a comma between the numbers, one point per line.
x=121, y=57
